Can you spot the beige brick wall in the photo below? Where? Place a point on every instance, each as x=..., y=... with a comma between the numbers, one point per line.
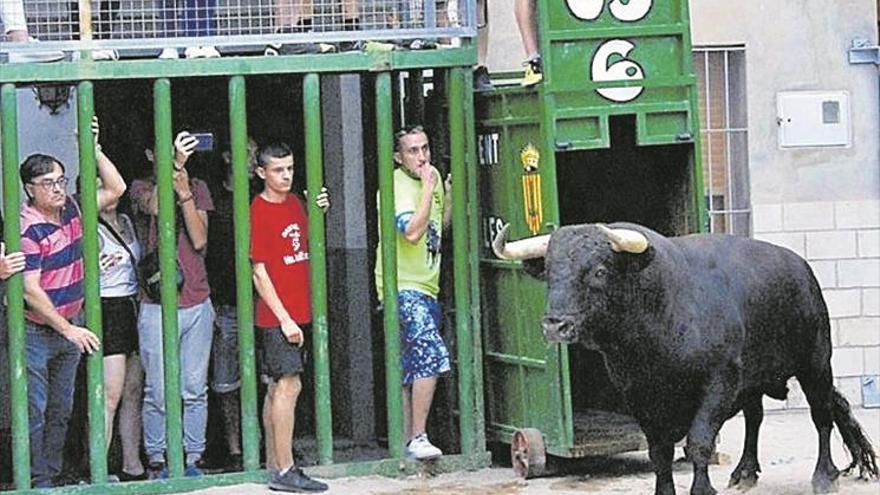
x=841, y=241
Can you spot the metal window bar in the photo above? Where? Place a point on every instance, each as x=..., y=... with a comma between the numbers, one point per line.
x=150, y=24
x=722, y=204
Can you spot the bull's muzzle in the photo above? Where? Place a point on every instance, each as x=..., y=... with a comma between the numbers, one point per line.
x=558, y=330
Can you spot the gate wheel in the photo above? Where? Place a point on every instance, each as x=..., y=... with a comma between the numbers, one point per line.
x=527, y=453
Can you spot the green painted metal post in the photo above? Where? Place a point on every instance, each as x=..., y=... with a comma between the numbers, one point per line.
x=699, y=194
x=384, y=137
x=318, y=263
x=168, y=265
x=18, y=402
x=250, y=428
x=471, y=167
x=89, y=202
x=455, y=99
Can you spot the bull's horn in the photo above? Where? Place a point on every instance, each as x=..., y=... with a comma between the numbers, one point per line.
x=625, y=240
x=529, y=248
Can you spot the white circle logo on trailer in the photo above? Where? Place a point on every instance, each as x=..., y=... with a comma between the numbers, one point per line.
x=601, y=67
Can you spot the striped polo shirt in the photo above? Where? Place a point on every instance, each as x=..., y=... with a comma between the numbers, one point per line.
x=55, y=251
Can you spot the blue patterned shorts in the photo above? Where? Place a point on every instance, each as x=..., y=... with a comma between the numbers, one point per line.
x=423, y=353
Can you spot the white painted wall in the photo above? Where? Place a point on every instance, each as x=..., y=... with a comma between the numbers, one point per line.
x=823, y=203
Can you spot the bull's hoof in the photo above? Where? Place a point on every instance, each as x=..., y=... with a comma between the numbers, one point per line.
x=824, y=485
x=703, y=490
x=745, y=476
x=743, y=480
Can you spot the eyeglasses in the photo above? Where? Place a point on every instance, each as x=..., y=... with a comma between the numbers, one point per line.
x=50, y=185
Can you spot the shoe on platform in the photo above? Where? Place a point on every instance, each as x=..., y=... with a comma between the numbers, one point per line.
x=420, y=448
x=534, y=72
x=295, y=480
x=201, y=52
x=169, y=53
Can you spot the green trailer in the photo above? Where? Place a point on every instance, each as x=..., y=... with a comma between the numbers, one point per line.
x=611, y=134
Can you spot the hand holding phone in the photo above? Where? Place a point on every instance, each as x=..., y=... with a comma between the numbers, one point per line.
x=205, y=141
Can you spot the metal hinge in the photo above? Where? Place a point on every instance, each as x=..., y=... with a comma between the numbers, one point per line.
x=862, y=52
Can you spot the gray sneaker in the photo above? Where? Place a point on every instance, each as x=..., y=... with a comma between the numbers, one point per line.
x=295, y=480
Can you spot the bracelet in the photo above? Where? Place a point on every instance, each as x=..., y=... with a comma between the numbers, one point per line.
x=97, y=148
x=180, y=202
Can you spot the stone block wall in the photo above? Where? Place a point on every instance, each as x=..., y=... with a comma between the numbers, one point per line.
x=841, y=241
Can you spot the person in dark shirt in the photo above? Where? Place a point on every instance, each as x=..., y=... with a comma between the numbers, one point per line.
x=220, y=260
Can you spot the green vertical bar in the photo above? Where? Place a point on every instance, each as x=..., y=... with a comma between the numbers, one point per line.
x=18, y=401
x=470, y=134
x=385, y=152
x=89, y=202
x=700, y=212
x=318, y=263
x=455, y=97
x=168, y=267
x=250, y=429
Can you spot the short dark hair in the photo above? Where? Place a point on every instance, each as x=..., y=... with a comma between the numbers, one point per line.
x=272, y=150
x=405, y=131
x=36, y=165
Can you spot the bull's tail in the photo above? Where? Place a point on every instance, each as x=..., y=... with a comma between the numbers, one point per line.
x=854, y=438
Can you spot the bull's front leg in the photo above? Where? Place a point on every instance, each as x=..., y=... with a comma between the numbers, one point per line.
x=719, y=396
x=661, y=452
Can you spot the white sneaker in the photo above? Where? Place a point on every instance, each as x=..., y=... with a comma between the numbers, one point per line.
x=105, y=55
x=420, y=448
x=201, y=52
x=169, y=53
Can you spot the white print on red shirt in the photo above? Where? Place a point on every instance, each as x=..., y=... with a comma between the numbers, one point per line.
x=293, y=232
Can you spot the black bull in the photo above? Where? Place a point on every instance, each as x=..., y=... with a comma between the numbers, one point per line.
x=694, y=329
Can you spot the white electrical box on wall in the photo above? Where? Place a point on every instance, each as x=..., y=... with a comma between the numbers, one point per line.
x=813, y=118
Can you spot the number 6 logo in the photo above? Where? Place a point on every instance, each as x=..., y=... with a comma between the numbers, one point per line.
x=622, y=70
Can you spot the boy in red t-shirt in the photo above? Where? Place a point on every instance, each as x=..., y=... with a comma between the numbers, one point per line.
x=280, y=256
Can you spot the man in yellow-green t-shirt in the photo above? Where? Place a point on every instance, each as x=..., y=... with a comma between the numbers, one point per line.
x=421, y=210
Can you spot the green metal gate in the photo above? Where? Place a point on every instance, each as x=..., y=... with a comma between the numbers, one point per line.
x=453, y=64
x=618, y=90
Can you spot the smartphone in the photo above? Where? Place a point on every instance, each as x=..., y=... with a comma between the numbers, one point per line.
x=206, y=141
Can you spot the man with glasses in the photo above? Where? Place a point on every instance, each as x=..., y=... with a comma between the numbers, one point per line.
x=51, y=240
x=422, y=208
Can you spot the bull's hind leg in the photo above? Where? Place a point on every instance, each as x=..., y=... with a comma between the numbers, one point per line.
x=817, y=388
x=745, y=475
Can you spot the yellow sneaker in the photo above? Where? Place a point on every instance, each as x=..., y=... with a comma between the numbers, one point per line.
x=533, y=73
x=378, y=46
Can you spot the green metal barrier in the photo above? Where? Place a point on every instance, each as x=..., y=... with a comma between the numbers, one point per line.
x=385, y=152
x=250, y=428
x=15, y=292
x=89, y=204
x=318, y=264
x=455, y=65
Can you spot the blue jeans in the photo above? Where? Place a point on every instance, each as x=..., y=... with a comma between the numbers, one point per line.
x=189, y=18
x=196, y=327
x=51, y=366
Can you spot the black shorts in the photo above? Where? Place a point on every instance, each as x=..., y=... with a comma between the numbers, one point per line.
x=278, y=357
x=119, y=316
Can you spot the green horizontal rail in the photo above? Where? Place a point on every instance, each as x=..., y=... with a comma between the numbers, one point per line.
x=640, y=31
x=225, y=66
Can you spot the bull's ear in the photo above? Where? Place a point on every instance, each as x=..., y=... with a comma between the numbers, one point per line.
x=535, y=268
